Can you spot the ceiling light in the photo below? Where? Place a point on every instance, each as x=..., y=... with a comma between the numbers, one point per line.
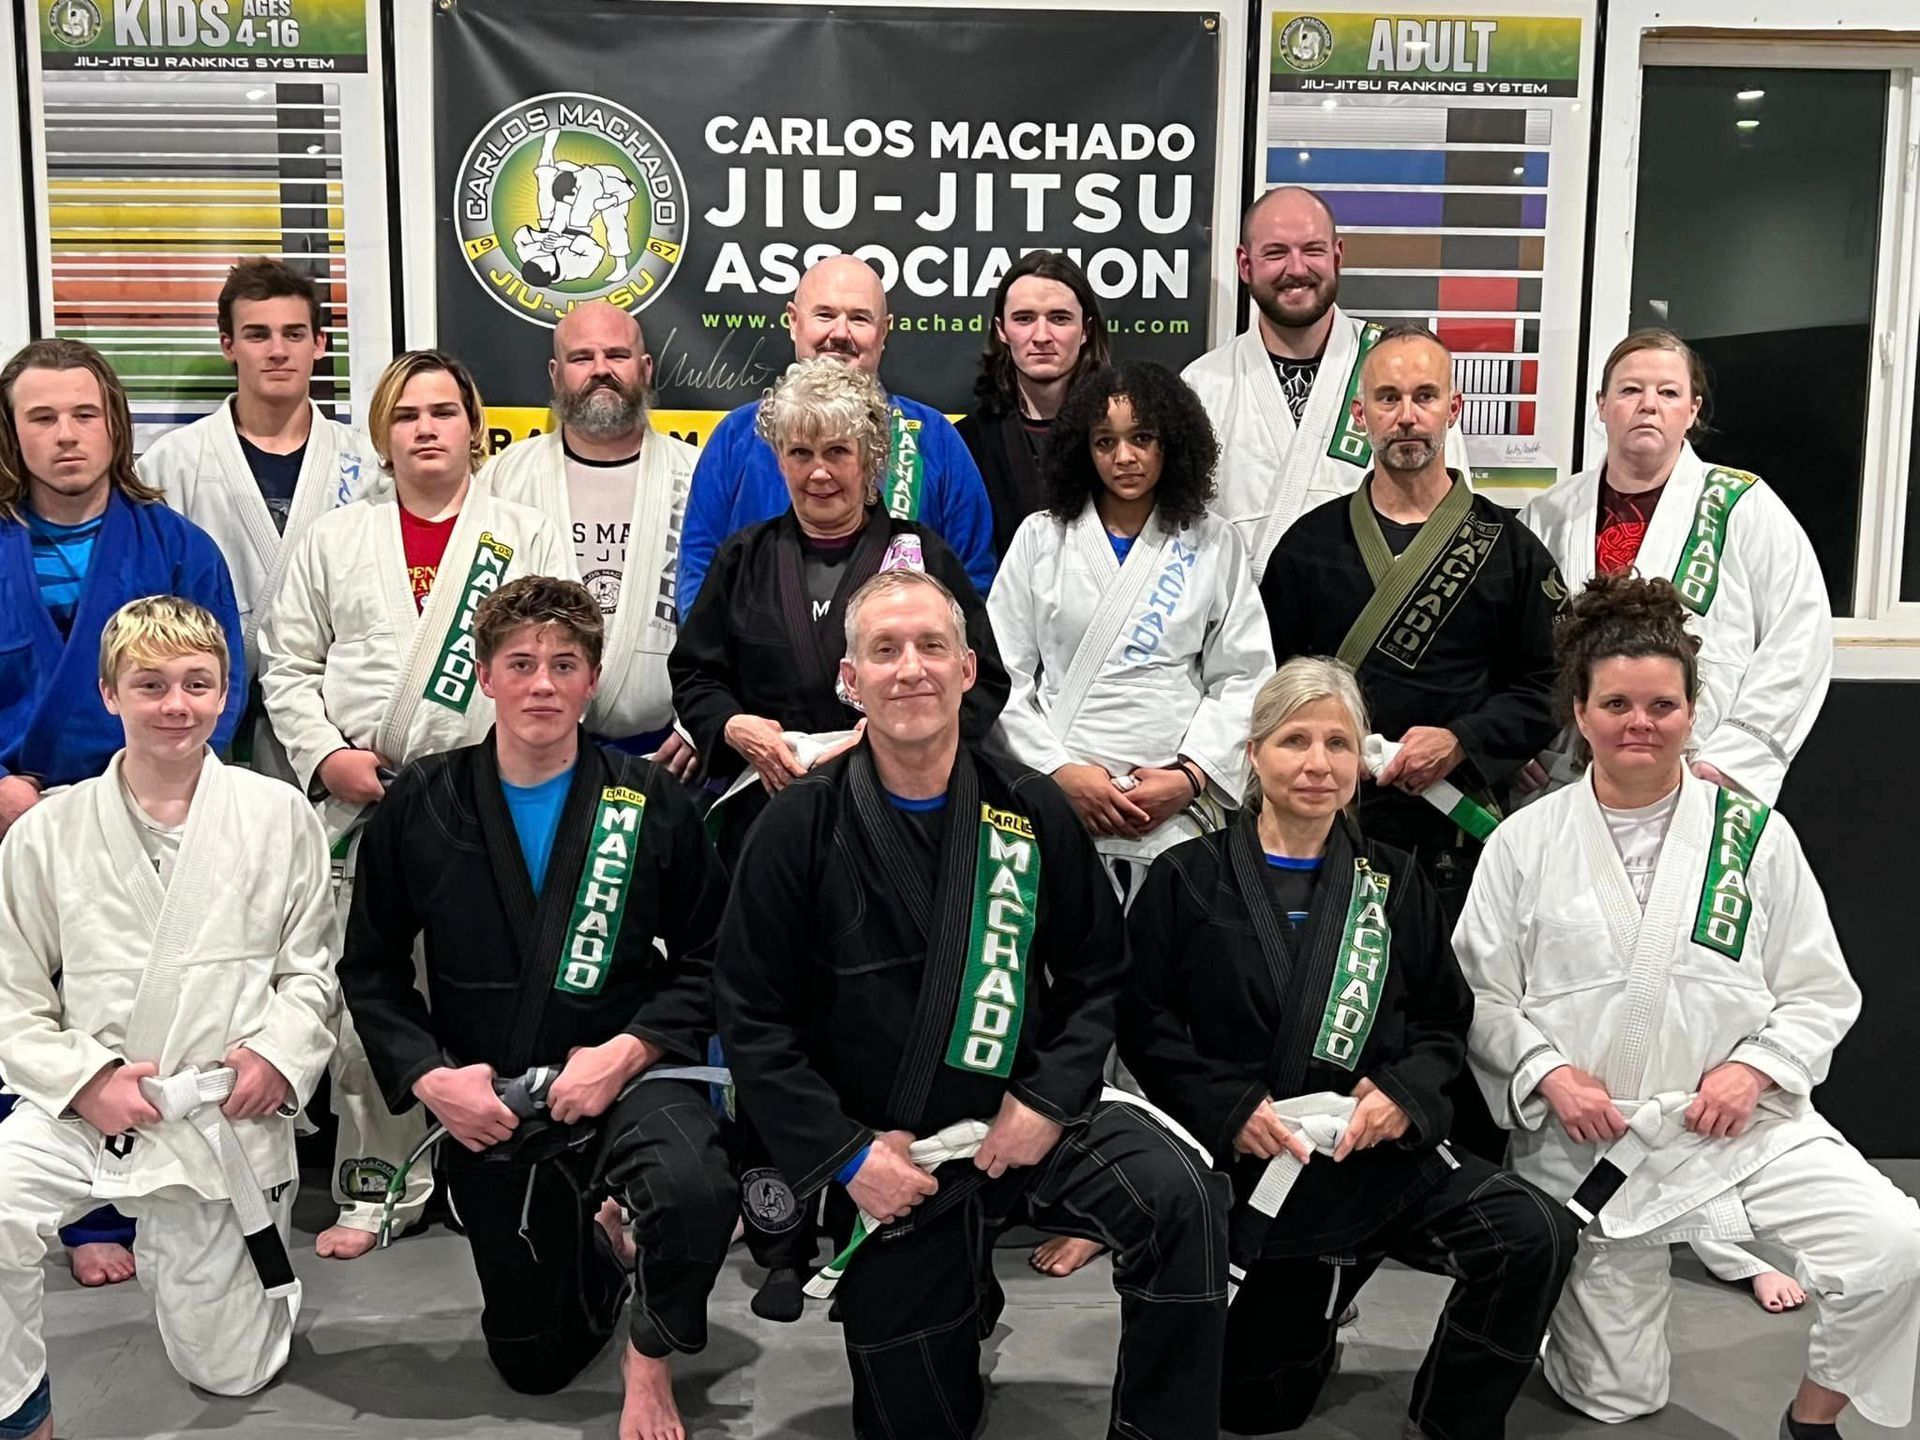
x=256, y=94
x=1746, y=124
x=1328, y=104
x=313, y=149
x=1748, y=94
x=1520, y=170
x=1305, y=155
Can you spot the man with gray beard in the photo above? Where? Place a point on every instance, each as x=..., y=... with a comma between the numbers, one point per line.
x=619, y=489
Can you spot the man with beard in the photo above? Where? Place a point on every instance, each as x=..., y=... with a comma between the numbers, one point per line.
x=1279, y=394
x=839, y=310
x=1441, y=601
x=619, y=488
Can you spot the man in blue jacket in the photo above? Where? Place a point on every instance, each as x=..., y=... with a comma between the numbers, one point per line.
x=80, y=535
x=839, y=310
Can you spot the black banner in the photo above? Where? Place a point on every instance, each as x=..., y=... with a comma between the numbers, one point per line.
x=688, y=161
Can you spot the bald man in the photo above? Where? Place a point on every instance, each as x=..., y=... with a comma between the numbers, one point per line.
x=1279, y=395
x=840, y=310
x=1441, y=601
x=619, y=489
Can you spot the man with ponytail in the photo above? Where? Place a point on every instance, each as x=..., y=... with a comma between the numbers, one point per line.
x=1657, y=986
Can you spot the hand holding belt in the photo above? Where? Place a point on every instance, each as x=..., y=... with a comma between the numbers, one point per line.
x=194, y=1096
x=959, y=1141
x=1651, y=1124
x=526, y=1096
x=1376, y=753
x=1320, y=1119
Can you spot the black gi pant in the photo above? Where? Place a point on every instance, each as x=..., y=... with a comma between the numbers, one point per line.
x=551, y=1286
x=916, y=1302
x=1507, y=1245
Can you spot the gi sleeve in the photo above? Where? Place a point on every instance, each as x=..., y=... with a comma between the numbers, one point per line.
x=1509, y=1054
x=1210, y=1097
x=704, y=670
x=966, y=516
x=201, y=576
x=982, y=705
x=710, y=496
x=1516, y=721
x=41, y=1058
x=1763, y=724
x=294, y=1036
x=294, y=640
x=376, y=969
x=1079, y=944
x=1013, y=613
x=1438, y=1018
x=762, y=975
x=1286, y=594
x=1815, y=999
x=1236, y=659
x=693, y=892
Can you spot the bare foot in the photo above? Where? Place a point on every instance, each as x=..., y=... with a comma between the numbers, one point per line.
x=1777, y=1292
x=343, y=1242
x=102, y=1264
x=613, y=1220
x=648, y=1412
x=1062, y=1255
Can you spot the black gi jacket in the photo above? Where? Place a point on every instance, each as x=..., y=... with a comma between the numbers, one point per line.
x=1487, y=672
x=997, y=440
x=751, y=646
x=840, y=964
x=1218, y=1015
x=440, y=857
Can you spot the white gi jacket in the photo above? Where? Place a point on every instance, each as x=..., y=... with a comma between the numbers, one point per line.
x=204, y=475
x=635, y=695
x=346, y=658
x=1273, y=471
x=1759, y=601
x=99, y=961
x=1565, y=969
x=1130, y=665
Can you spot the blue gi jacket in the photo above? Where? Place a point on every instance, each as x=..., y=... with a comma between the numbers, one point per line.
x=52, y=723
x=737, y=483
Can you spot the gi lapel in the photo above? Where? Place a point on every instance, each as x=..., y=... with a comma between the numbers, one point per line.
x=1697, y=575
x=1123, y=586
x=541, y=928
x=817, y=659
x=942, y=910
x=440, y=666
x=647, y=533
x=1652, y=938
x=1415, y=591
x=173, y=913
x=244, y=496
x=1326, y=429
x=1662, y=547
x=905, y=480
x=116, y=543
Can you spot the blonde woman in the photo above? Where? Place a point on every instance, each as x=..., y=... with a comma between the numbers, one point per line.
x=367, y=663
x=1290, y=975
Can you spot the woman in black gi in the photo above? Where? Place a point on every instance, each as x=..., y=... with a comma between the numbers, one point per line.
x=1287, y=967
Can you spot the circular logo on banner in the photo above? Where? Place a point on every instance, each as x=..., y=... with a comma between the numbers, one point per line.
x=1306, y=43
x=566, y=198
x=769, y=1201
x=74, y=22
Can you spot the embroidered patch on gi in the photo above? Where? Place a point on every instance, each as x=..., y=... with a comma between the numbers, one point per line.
x=119, y=1146
x=1360, y=976
x=986, y=1022
x=366, y=1178
x=1439, y=591
x=769, y=1202
x=1726, y=903
x=1697, y=577
x=455, y=671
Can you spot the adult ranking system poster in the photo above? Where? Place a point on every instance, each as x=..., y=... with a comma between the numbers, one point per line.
x=1452, y=148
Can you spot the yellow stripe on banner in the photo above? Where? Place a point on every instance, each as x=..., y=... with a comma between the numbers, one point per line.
x=190, y=219
x=264, y=192
x=508, y=423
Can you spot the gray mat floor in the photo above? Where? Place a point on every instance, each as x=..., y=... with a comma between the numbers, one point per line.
x=389, y=1346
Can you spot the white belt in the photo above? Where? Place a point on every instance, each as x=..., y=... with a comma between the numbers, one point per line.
x=1320, y=1119
x=195, y=1096
x=1646, y=1128
x=959, y=1141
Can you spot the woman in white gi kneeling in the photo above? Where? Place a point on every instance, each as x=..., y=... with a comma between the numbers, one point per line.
x=1646, y=946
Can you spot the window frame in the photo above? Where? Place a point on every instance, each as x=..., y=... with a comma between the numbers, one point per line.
x=1882, y=638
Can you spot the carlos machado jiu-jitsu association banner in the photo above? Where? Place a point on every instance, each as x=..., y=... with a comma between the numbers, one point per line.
x=688, y=160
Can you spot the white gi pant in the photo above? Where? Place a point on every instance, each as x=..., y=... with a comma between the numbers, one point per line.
x=372, y=1142
x=220, y=1329
x=1855, y=1239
